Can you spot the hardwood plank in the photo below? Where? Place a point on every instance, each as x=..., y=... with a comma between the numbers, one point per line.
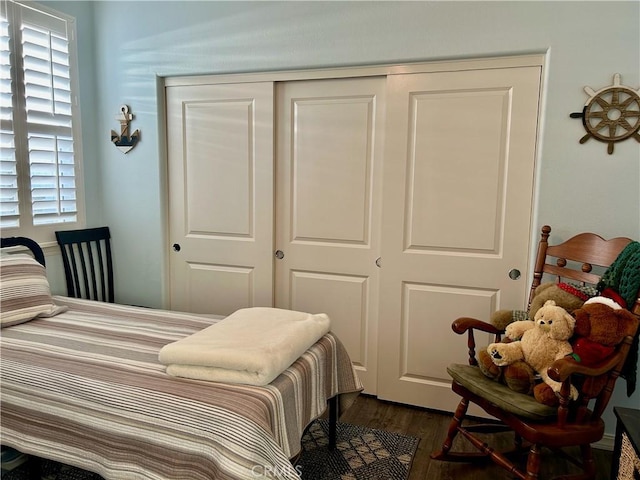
x=431, y=427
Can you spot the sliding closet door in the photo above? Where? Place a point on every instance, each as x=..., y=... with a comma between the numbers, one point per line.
x=328, y=194
x=457, y=203
x=220, y=149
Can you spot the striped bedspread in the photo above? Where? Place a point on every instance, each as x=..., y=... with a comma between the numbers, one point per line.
x=86, y=388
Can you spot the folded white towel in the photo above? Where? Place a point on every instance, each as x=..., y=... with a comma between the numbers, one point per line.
x=251, y=346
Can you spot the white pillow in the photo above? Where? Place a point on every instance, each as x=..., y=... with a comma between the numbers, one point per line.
x=24, y=291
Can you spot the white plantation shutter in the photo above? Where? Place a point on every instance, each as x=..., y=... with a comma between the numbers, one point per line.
x=43, y=125
x=9, y=208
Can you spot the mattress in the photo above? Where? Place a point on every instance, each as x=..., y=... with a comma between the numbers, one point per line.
x=85, y=387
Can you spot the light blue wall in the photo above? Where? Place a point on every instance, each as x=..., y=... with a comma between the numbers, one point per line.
x=125, y=46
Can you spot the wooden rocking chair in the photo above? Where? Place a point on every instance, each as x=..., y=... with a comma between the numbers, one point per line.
x=572, y=424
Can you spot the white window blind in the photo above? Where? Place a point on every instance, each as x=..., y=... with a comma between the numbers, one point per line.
x=40, y=135
x=10, y=212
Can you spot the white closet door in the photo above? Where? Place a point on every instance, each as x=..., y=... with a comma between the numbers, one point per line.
x=328, y=194
x=220, y=149
x=457, y=205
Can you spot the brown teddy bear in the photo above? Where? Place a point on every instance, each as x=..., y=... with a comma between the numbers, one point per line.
x=519, y=376
x=601, y=324
x=567, y=296
x=541, y=342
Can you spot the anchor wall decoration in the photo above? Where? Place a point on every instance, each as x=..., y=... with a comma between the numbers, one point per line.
x=124, y=141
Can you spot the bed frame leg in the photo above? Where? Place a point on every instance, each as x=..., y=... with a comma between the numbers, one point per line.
x=34, y=469
x=333, y=420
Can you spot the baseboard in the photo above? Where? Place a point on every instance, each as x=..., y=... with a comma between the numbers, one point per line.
x=606, y=443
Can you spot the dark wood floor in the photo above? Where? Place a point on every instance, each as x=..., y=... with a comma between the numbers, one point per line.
x=431, y=427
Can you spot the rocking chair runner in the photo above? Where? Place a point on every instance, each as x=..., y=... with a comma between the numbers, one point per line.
x=572, y=423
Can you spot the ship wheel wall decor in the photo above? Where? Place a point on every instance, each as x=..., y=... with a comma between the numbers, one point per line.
x=611, y=114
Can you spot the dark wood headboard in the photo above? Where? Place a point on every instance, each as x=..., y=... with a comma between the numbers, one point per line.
x=24, y=242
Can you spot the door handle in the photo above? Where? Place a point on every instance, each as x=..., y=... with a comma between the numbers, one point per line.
x=514, y=274
x=279, y=254
x=176, y=247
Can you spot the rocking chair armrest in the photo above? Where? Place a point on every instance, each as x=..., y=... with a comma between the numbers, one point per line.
x=467, y=324
x=562, y=369
x=463, y=324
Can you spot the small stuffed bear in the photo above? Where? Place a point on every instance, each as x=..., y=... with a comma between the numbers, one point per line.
x=519, y=376
x=542, y=341
x=601, y=324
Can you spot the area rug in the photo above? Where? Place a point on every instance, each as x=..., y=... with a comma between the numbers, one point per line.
x=360, y=454
x=49, y=470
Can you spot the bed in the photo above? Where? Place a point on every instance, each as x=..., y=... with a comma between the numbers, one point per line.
x=85, y=387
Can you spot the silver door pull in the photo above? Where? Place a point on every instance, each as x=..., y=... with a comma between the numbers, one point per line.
x=279, y=254
x=514, y=274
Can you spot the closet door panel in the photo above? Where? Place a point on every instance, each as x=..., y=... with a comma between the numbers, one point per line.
x=328, y=196
x=219, y=167
x=220, y=150
x=327, y=132
x=468, y=183
x=350, y=299
x=229, y=286
x=457, y=207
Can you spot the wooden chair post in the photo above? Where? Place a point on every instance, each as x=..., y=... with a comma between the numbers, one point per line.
x=540, y=259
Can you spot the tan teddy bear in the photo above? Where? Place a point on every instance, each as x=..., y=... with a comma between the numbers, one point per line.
x=542, y=341
x=519, y=376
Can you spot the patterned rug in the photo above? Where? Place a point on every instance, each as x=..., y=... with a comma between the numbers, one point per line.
x=49, y=470
x=360, y=454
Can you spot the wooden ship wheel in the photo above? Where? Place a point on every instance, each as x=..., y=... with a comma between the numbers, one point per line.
x=611, y=114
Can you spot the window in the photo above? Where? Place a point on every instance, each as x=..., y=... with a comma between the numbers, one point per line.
x=40, y=157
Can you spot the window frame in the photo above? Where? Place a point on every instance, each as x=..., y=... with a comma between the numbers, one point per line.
x=44, y=234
